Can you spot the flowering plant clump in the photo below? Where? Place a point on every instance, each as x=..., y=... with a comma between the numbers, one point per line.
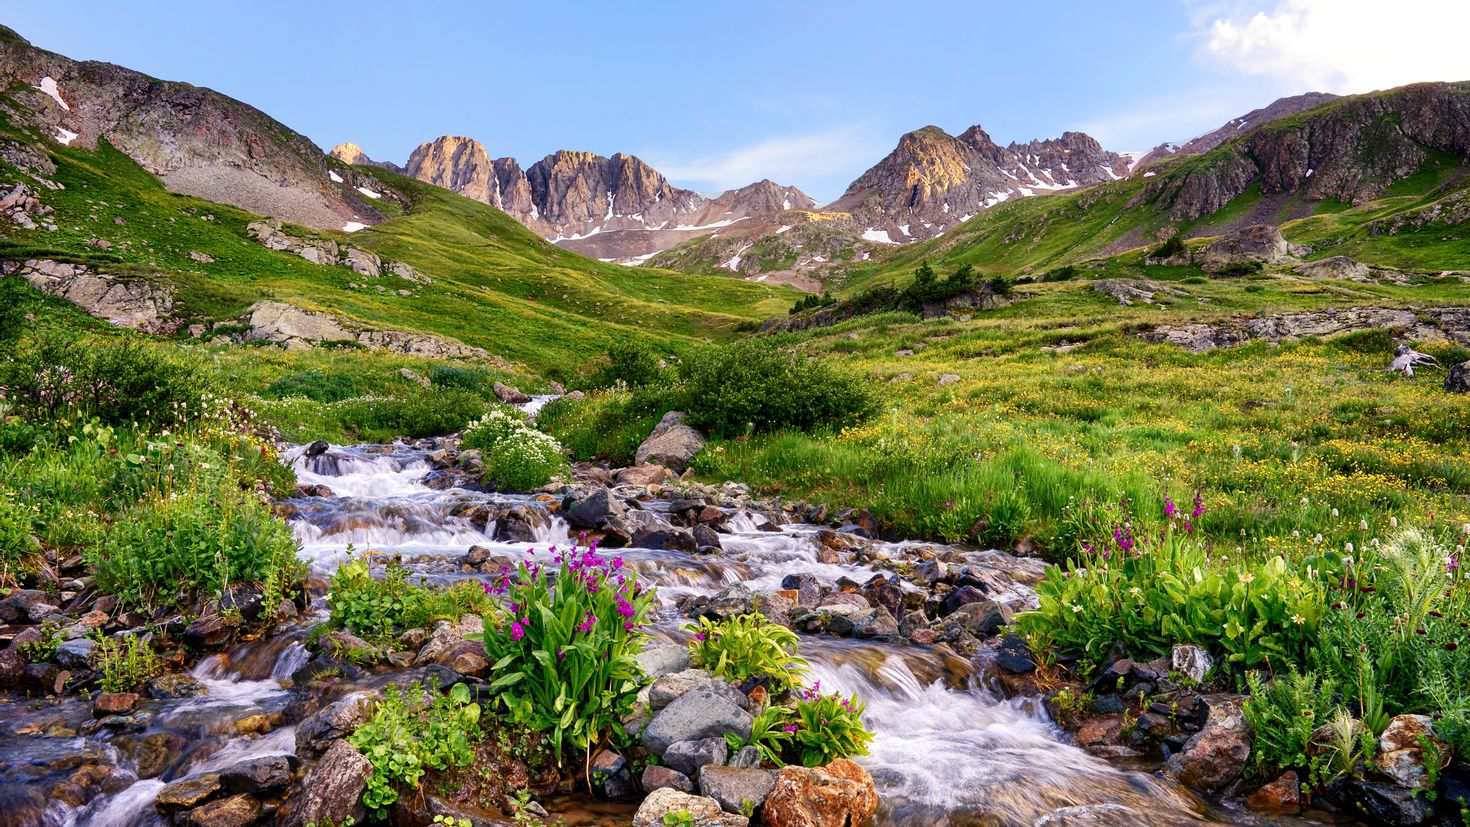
x=563, y=655
x=1155, y=586
x=828, y=727
x=517, y=456
x=747, y=646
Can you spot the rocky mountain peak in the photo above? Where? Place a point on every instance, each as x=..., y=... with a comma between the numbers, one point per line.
x=350, y=153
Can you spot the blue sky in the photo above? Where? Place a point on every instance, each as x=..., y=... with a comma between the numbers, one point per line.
x=719, y=95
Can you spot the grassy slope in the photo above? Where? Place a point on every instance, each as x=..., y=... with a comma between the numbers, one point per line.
x=495, y=284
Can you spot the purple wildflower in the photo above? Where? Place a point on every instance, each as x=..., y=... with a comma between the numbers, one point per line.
x=1169, y=508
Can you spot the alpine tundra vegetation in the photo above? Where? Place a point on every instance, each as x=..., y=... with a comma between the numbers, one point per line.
x=1033, y=483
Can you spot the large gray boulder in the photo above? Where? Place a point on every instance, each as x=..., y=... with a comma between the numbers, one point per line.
x=737, y=789
x=672, y=443
x=695, y=716
x=593, y=510
x=1458, y=378
x=139, y=304
x=332, y=791
x=688, y=809
x=1257, y=244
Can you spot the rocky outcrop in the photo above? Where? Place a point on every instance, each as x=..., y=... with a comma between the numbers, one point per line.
x=1235, y=127
x=196, y=140
x=296, y=328
x=672, y=444
x=332, y=791
x=1351, y=149
x=126, y=302
x=1452, y=210
x=20, y=206
x=934, y=181
x=350, y=153
x=1431, y=324
x=836, y=795
x=1348, y=269
x=1457, y=380
x=1132, y=291
x=326, y=251
x=1246, y=248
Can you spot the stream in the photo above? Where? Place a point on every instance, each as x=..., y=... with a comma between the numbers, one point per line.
x=948, y=749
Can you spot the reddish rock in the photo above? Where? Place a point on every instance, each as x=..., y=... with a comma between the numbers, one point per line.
x=1281, y=796
x=839, y=794
x=1401, y=754
x=115, y=703
x=1216, y=755
x=235, y=811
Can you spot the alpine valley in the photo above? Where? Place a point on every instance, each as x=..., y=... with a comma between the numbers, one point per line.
x=1027, y=484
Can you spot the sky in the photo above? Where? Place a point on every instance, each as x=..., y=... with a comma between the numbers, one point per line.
x=718, y=95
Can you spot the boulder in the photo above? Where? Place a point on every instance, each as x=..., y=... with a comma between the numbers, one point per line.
x=694, y=716
x=1247, y=247
x=691, y=757
x=657, y=660
x=981, y=619
x=265, y=777
x=137, y=303
x=235, y=811
x=839, y=794
x=669, y=688
x=1191, y=661
x=1127, y=292
x=592, y=510
x=76, y=654
x=614, y=774
x=1457, y=380
x=738, y=790
x=26, y=604
x=510, y=395
x=702, y=812
x=660, y=535
x=1386, y=803
x=114, y=703
x=672, y=444
x=657, y=777
x=1282, y=796
x=1216, y=755
x=1401, y=751
x=444, y=642
x=328, y=725
x=173, y=686
x=332, y=790
x=643, y=475
x=187, y=793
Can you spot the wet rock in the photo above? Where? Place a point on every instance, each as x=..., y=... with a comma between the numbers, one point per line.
x=1282, y=796
x=1191, y=661
x=807, y=587
x=881, y=591
x=1014, y=656
x=188, y=793
x=1386, y=803
x=701, y=811
x=1457, y=380
x=235, y=811
x=510, y=395
x=444, y=642
x=669, y=688
x=613, y=773
x=262, y=777
x=317, y=448
x=1401, y=754
x=343, y=645
x=332, y=790
x=691, y=757
x=319, y=731
x=656, y=777
x=734, y=599
x=737, y=790
x=22, y=805
x=593, y=510
x=836, y=795
x=207, y=632
x=114, y=703
x=663, y=659
x=643, y=475
x=672, y=443
x=173, y=686
x=981, y=619
x=12, y=667
x=706, y=539
x=1216, y=754
x=695, y=716
x=962, y=596
x=658, y=535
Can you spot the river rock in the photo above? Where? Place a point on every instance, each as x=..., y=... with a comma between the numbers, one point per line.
x=836, y=795
x=669, y=688
x=264, y=777
x=1014, y=656
x=76, y=654
x=1191, y=661
x=694, y=716
x=510, y=395
x=738, y=790
x=656, y=777
x=1457, y=380
x=592, y=510
x=172, y=686
x=807, y=587
x=322, y=729
x=656, y=534
x=114, y=703
x=702, y=812
x=235, y=811
x=691, y=757
x=672, y=443
x=1401, y=751
x=1387, y=803
x=27, y=604
x=644, y=475
x=444, y=642
x=615, y=776
x=332, y=791
x=188, y=793
x=658, y=660
x=1282, y=796
x=1216, y=754
x=982, y=619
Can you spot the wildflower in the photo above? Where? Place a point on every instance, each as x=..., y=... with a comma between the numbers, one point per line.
x=1298, y=619
x=1393, y=522
x=1246, y=577
x=1199, y=506
x=1362, y=525
x=1169, y=508
x=1296, y=534
x=791, y=727
x=1076, y=608
x=1348, y=548
x=1135, y=591
x=1317, y=539
x=516, y=632
x=699, y=636
x=1336, y=513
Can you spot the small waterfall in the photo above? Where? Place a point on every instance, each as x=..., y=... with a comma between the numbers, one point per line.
x=133, y=807
x=555, y=532
x=537, y=403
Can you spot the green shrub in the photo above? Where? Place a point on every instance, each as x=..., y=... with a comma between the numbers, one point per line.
x=630, y=363
x=124, y=662
x=424, y=413
x=751, y=385
x=379, y=609
x=1283, y=714
x=747, y=646
x=18, y=545
x=563, y=660
x=472, y=380
x=410, y=731
x=1066, y=272
x=828, y=727
x=39, y=651
x=517, y=457
x=314, y=385
x=607, y=425
x=1172, y=246
x=169, y=549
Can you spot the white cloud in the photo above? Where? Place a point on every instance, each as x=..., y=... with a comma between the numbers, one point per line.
x=1345, y=46
x=788, y=160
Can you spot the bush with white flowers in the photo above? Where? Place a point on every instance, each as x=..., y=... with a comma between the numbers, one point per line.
x=517, y=456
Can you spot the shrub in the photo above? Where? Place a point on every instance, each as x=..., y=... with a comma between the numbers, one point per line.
x=472, y=380
x=1283, y=714
x=410, y=731
x=314, y=385
x=169, y=549
x=379, y=609
x=563, y=659
x=424, y=413
x=751, y=385
x=18, y=544
x=1066, y=272
x=747, y=646
x=517, y=457
x=630, y=363
x=124, y=662
x=608, y=425
x=1172, y=246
